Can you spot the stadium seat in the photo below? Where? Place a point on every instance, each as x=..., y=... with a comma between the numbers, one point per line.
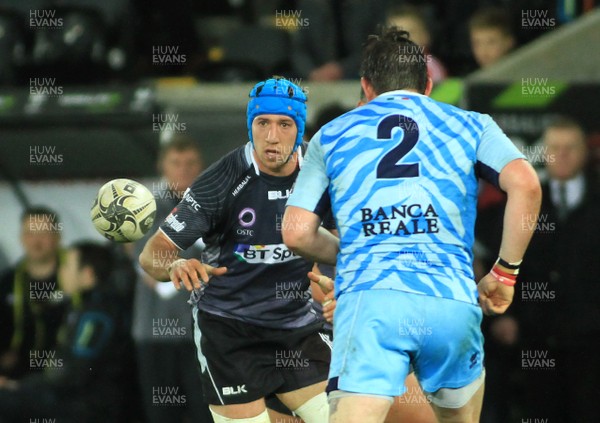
x=254, y=52
x=77, y=40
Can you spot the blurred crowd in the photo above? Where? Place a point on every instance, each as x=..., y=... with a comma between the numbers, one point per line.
x=83, y=41
x=86, y=335
x=542, y=354
x=83, y=326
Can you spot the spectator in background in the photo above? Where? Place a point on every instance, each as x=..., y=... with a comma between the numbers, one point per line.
x=329, y=48
x=409, y=18
x=555, y=311
x=563, y=260
x=32, y=304
x=162, y=327
x=82, y=378
x=491, y=35
x=492, y=38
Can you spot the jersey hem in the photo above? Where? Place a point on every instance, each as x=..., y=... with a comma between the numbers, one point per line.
x=358, y=288
x=225, y=315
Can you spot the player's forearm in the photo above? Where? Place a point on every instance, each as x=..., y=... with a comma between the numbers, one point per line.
x=156, y=257
x=319, y=245
x=520, y=217
x=303, y=234
x=321, y=248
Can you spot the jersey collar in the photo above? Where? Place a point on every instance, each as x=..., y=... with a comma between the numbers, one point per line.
x=251, y=160
x=401, y=92
x=250, y=157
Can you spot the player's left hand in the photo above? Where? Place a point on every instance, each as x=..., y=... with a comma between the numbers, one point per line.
x=326, y=285
x=494, y=296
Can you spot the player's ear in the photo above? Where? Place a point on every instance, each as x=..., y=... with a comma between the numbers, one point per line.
x=429, y=86
x=368, y=89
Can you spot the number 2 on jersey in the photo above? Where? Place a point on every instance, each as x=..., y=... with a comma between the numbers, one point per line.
x=388, y=167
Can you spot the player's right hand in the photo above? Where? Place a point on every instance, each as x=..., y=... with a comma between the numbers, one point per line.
x=190, y=272
x=494, y=296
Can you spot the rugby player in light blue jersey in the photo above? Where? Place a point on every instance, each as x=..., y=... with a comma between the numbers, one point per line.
x=401, y=175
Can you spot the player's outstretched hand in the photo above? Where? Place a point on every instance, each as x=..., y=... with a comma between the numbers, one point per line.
x=494, y=296
x=326, y=285
x=191, y=272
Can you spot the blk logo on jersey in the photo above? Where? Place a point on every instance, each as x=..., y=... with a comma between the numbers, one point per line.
x=279, y=195
x=264, y=254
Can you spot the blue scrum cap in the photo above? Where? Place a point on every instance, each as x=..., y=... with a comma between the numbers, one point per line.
x=278, y=96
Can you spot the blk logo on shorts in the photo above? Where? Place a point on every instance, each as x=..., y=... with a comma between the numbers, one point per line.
x=230, y=390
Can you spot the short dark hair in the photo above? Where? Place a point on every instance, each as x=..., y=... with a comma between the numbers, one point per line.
x=179, y=142
x=39, y=211
x=492, y=18
x=567, y=122
x=97, y=256
x=391, y=61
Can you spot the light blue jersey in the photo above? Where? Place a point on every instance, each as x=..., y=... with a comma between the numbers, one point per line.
x=401, y=173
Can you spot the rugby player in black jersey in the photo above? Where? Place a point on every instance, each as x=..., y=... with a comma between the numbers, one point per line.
x=256, y=313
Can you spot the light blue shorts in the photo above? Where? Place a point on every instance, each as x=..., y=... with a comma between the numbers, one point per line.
x=379, y=333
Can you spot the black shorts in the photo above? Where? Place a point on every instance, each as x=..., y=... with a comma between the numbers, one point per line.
x=241, y=363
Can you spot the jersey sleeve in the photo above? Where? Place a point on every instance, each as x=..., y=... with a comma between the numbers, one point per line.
x=494, y=151
x=310, y=190
x=201, y=207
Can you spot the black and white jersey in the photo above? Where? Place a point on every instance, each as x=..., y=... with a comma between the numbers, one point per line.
x=238, y=210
